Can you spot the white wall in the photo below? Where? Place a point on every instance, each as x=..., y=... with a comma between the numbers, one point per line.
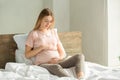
x=90, y=17
x=61, y=12
x=18, y=16
x=62, y=15
x=48, y=4
x=113, y=32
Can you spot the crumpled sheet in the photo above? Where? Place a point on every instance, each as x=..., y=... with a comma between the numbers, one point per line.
x=99, y=72
x=21, y=71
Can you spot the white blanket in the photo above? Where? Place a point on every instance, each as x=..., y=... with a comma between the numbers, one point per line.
x=98, y=72
x=21, y=71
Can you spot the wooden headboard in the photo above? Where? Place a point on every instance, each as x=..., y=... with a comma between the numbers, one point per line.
x=7, y=49
x=70, y=40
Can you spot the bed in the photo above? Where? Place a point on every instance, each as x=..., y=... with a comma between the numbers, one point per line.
x=14, y=68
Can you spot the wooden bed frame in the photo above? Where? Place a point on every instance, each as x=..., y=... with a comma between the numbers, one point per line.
x=7, y=49
x=70, y=40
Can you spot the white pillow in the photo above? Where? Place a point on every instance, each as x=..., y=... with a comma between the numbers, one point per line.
x=20, y=40
x=20, y=57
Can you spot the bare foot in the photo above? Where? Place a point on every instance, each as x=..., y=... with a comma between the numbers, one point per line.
x=80, y=75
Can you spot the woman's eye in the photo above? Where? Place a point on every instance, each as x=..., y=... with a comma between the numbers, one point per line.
x=48, y=21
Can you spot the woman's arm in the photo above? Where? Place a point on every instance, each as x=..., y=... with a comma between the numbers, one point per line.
x=61, y=50
x=29, y=52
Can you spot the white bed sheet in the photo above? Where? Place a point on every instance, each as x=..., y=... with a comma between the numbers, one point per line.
x=99, y=72
x=21, y=71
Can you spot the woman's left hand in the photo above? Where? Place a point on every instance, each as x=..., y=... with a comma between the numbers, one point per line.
x=54, y=61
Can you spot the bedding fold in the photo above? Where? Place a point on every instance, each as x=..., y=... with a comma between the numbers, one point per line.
x=22, y=71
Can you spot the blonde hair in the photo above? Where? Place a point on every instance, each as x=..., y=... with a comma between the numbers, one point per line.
x=44, y=12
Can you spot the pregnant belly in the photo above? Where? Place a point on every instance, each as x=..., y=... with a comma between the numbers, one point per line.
x=45, y=57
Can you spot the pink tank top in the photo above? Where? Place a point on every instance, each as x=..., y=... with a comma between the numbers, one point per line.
x=37, y=38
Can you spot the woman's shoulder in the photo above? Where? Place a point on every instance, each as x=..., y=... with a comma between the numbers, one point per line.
x=54, y=29
x=33, y=32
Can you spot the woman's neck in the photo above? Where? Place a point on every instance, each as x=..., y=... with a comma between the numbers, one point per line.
x=44, y=30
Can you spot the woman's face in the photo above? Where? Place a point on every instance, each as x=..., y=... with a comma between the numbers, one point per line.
x=46, y=22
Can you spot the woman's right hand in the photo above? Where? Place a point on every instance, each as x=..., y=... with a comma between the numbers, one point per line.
x=53, y=61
